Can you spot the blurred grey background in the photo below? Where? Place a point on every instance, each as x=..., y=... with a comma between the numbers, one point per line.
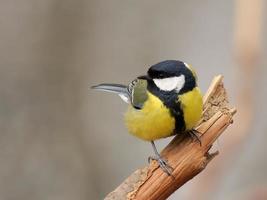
x=60, y=140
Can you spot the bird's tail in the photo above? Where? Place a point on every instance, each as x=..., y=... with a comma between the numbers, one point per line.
x=119, y=89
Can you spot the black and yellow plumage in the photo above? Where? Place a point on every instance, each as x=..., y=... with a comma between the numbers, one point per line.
x=164, y=102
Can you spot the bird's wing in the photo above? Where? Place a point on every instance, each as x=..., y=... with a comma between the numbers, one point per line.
x=138, y=91
x=119, y=89
x=135, y=93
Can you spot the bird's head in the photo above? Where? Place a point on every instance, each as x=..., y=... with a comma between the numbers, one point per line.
x=171, y=76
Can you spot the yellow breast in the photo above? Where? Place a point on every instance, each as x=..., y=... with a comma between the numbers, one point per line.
x=192, y=106
x=152, y=122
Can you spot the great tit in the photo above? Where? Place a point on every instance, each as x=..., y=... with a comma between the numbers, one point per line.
x=164, y=102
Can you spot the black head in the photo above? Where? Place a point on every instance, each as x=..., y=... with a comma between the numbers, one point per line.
x=170, y=76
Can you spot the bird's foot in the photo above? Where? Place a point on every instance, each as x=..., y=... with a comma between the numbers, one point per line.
x=162, y=163
x=195, y=134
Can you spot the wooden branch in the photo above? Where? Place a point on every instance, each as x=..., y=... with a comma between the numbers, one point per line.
x=184, y=154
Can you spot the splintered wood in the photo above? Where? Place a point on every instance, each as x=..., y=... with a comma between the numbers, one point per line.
x=184, y=155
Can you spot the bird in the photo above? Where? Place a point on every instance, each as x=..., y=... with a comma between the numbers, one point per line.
x=164, y=102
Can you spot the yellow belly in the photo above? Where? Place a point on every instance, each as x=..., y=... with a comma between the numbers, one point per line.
x=192, y=106
x=153, y=121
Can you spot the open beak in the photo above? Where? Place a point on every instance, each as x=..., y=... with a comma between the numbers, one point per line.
x=144, y=77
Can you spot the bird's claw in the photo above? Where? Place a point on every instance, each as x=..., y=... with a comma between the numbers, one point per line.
x=194, y=134
x=162, y=163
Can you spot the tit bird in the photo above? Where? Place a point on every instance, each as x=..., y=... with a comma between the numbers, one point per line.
x=164, y=102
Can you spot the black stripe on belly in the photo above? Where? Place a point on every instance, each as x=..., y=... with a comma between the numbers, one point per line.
x=171, y=101
x=175, y=108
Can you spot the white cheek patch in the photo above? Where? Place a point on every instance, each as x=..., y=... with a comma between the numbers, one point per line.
x=169, y=84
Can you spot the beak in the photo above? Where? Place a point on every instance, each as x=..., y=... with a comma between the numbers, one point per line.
x=144, y=77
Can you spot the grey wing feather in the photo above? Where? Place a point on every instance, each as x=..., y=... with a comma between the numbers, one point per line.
x=110, y=87
x=119, y=89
